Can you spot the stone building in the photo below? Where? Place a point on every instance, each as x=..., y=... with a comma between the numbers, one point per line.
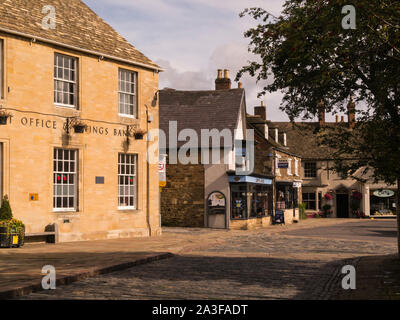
x=323, y=186
x=92, y=185
x=233, y=192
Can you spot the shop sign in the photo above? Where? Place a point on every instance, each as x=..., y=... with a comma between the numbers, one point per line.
x=384, y=193
x=216, y=203
x=162, y=171
x=283, y=164
x=250, y=179
x=296, y=184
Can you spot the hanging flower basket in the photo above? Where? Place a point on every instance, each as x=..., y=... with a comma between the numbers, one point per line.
x=80, y=127
x=4, y=115
x=138, y=134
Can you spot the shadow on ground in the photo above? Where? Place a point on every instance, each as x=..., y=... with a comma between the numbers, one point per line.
x=199, y=277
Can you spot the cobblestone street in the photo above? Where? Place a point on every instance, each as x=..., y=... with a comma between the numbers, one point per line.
x=303, y=263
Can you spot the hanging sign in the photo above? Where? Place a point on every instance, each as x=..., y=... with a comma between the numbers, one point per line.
x=162, y=170
x=384, y=193
x=283, y=164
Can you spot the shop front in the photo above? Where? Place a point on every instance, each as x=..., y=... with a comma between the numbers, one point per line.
x=251, y=201
x=382, y=202
x=287, y=198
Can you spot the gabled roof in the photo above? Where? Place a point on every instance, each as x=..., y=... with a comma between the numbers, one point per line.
x=257, y=123
x=77, y=27
x=214, y=109
x=302, y=139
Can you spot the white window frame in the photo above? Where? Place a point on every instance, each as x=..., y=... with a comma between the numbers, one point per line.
x=66, y=79
x=296, y=167
x=62, y=170
x=123, y=85
x=127, y=180
x=289, y=169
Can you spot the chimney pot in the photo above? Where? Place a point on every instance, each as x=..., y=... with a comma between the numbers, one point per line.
x=342, y=119
x=223, y=83
x=351, y=113
x=261, y=111
x=321, y=113
x=240, y=85
x=226, y=74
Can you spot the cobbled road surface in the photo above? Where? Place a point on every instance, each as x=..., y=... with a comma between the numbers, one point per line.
x=302, y=263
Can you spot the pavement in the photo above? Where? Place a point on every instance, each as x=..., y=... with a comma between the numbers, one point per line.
x=299, y=261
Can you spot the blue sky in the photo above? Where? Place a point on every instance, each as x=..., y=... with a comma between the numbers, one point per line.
x=191, y=39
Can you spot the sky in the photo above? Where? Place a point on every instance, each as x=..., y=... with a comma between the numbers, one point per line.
x=191, y=39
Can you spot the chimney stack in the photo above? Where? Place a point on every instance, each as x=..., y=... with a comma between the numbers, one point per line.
x=321, y=113
x=337, y=118
x=342, y=119
x=223, y=83
x=261, y=111
x=351, y=113
x=240, y=85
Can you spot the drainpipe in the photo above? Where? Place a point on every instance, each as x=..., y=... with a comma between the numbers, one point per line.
x=147, y=173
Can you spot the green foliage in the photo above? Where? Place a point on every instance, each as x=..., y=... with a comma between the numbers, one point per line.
x=302, y=209
x=306, y=54
x=5, y=209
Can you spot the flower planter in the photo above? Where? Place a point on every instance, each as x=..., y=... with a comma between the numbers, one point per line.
x=79, y=129
x=12, y=238
x=3, y=120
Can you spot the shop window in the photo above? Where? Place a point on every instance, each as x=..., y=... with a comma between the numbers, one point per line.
x=285, y=196
x=259, y=198
x=127, y=84
x=309, y=200
x=380, y=205
x=65, y=81
x=310, y=169
x=65, y=180
x=127, y=181
x=239, y=201
x=1, y=70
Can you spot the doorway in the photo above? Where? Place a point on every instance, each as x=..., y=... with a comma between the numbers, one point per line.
x=342, y=205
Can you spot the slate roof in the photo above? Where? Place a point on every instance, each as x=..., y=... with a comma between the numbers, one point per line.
x=302, y=140
x=257, y=123
x=76, y=26
x=214, y=109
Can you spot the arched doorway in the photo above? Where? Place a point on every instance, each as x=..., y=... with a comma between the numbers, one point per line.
x=342, y=203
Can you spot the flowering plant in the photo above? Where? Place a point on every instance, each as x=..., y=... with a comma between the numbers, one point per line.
x=328, y=196
x=356, y=195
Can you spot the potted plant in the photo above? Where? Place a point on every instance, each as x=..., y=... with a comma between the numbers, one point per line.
x=12, y=231
x=4, y=115
x=326, y=209
x=138, y=134
x=79, y=127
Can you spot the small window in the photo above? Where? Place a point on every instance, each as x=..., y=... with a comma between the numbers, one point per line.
x=1, y=70
x=127, y=93
x=65, y=180
x=127, y=181
x=65, y=81
x=310, y=201
x=310, y=169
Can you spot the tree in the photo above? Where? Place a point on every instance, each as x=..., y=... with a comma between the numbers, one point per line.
x=5, y=209
x=308, y=55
